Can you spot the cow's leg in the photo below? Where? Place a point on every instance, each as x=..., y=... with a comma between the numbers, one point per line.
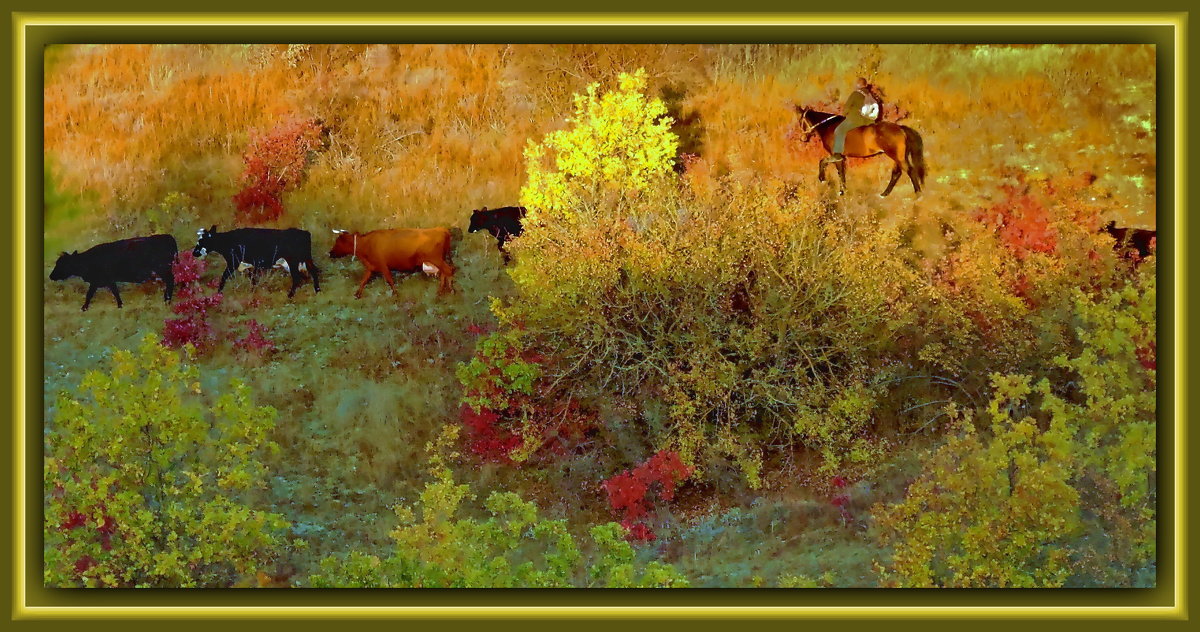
x=168, y=277
x=361, y=284
x=116, y=294
x=228, y=274
x=387, y=276
x=294, y=268
x=446, y=272
x=503, y=253
x=316, y=274
x=896, y=171
x=87, y=300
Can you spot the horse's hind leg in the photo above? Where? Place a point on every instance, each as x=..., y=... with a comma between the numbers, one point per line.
x=896, y=171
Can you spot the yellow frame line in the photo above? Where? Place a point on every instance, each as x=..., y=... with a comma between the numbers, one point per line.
x=597, y=19
x=603, y=612
x=19, y=304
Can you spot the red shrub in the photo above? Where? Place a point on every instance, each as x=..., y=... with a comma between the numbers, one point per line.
x=486, y=438
x=629, y=492
x=1022, y=222
x=275, y=163
x=191, y=304
x=254, y=341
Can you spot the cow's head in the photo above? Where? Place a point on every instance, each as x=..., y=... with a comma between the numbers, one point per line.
x=204, y=242
x=345, y=244
x=66, y=267
x=478, y=220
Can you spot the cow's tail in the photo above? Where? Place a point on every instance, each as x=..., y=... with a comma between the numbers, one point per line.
x=914, y=156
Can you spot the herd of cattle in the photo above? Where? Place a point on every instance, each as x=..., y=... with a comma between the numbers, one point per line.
x=381, y=252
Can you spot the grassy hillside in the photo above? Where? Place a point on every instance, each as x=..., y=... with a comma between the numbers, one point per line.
x=151, y=138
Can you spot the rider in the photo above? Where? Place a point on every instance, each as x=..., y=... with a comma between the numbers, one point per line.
x=862, y=108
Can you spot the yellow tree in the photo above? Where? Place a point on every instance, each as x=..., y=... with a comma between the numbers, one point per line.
x=620, y=139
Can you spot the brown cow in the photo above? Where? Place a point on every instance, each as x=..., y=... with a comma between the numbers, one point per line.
x=399, y=249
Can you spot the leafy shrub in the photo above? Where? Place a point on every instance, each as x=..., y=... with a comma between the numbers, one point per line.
x=1010, y=507
x=989, y=511
x=756, y=316
x=255, y=341
x=145, y=478
x=620, y=140
x=509, y=414
x=513, y=547
x=196, y=328
x=275, y=163
x=999, y=298
x=190, y=302
x=629, y=492
x=755, y=322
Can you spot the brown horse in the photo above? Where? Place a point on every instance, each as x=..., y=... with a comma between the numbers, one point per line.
x=902, y=144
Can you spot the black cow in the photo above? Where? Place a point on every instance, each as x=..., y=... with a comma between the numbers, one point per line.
x=261, y=248
x=134, y=260
x=1143, y=240
x=502, y=223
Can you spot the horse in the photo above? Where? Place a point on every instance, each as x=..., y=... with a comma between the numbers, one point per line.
x=901, y=143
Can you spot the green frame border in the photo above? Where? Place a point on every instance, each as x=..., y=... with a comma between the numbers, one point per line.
x=32, y=31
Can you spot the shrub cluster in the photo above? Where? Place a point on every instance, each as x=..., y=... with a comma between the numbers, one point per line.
x=1024, y=501
x=629, y=493
x=275, y=163
x=146, y=478
x=193, y=328
x=438, y=547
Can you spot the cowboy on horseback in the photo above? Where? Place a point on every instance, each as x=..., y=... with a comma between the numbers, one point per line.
x=870, y=137
x=862, y=108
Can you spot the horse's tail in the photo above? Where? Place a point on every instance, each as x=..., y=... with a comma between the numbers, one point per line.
x=914, y=155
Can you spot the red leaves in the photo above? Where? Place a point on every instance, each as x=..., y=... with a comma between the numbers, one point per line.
x=193, y=305
x=195, y=308
x=1148, y=356
x=1022, y=222
x=841, y=500
x=77, y=520
x=486, y=438
x=187, y=269
x=275, y=163
x=628, y=492
x=254, y=341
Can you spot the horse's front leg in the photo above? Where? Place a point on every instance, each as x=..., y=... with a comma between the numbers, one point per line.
x=891, y=183
x=821, y=169
x=841, y=168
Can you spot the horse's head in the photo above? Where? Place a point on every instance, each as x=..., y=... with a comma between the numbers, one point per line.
x=805, y=125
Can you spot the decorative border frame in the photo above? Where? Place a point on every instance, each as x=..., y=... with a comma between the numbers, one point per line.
x=22, y=608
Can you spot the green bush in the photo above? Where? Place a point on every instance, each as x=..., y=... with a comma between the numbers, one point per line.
x=145, y=478
x=1061, y=489
x=437, y=547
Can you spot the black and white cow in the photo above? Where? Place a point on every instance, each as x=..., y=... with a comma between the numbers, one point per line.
x=134, y=260
x=261, y=248
x=502, y=223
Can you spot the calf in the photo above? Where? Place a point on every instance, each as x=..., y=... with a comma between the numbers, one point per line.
x=134, y=260
x=502, y=223
x=261, y=248
x=1145, y=241
x=399, y=249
